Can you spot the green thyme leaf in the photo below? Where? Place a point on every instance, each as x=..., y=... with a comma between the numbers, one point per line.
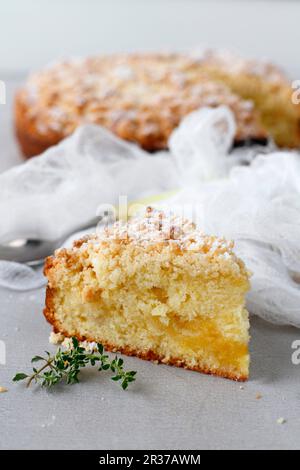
x=37, y=359
x=19, y=376
x=66, y=365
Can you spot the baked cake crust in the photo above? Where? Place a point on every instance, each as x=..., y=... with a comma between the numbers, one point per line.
x=153, y=237
x=139, y=97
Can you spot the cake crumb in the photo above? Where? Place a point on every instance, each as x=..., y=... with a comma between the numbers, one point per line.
x=281, y=420
x=242, y=387
x=56, y=338
x=3, y=390
x=89, y=346
x=258, y=396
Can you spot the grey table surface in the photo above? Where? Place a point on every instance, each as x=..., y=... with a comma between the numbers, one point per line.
x=166, y=408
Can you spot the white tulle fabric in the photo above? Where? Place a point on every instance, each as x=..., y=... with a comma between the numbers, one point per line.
x=53, y=194
x=258, y=205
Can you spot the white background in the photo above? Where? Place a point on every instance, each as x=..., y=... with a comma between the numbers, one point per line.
x=34, y=32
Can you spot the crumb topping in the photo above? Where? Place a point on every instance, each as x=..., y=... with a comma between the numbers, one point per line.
x=158, y=228
x=237, y=65
x=135, y=96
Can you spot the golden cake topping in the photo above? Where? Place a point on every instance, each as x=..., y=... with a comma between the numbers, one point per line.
x=138, y=97
x=157, y=228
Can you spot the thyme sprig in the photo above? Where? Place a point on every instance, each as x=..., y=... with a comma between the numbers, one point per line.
x=66, y=365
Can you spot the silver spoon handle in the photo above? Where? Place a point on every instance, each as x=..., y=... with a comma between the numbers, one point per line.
x=34, y=251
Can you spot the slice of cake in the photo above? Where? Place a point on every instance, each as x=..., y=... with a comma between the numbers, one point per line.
x=156, y=288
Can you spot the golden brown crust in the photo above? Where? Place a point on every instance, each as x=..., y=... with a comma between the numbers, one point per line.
x=30, y=141
x=141, y=98
x=49, y=307
x=49, y=313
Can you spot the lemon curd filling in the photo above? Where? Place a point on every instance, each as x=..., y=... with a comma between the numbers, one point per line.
x=177, y=300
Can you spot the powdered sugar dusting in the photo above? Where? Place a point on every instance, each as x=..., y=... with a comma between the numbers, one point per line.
x=156, y=227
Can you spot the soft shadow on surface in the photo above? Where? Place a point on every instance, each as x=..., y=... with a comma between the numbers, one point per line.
x=270, y=349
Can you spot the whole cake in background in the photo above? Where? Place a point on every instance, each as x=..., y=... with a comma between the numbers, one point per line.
x=156, y=288
x=143, y=97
